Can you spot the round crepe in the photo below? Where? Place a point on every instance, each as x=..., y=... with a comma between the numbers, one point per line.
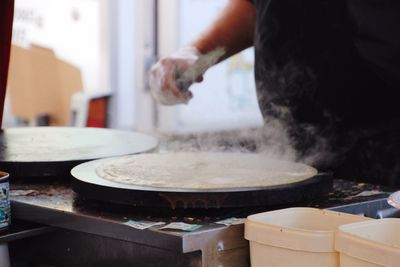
x=200, y=170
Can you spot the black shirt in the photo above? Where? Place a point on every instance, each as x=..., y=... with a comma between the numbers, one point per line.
x=324, y=61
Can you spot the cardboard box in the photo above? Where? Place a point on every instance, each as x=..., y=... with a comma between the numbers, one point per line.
x=42, y=84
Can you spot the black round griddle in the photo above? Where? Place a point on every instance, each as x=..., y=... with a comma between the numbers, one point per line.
x=88, y=184
x=53, y=151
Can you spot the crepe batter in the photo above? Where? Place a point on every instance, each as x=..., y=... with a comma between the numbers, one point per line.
x=203, y=170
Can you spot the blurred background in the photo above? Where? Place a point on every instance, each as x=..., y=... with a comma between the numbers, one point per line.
x=85, y=63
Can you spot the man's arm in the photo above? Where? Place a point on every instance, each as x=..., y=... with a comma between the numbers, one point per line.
x=233, y=29
x=232, y=32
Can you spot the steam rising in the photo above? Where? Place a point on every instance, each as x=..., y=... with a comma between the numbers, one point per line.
x=272, y=140
x=281, y=137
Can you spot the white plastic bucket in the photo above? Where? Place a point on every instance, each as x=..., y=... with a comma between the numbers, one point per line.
x=301, y=237
x=374, y=243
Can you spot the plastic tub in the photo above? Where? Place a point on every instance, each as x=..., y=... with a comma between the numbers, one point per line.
x=295, y=237
x=369, y=244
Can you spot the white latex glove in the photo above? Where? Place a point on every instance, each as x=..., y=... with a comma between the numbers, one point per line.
x=171, y=77
x=166, y=78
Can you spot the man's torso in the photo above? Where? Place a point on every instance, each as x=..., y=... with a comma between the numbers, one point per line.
x=328, y=60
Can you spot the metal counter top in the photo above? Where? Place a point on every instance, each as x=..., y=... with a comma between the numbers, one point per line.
x=59, y=206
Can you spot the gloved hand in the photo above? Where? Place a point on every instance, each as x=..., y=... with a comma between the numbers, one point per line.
x=170, y=77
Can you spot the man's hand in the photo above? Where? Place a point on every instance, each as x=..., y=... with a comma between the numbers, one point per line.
x=166, y=77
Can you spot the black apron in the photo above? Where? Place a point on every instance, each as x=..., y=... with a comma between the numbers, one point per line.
x=332, y=66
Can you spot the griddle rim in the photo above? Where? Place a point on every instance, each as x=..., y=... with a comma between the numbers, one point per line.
x=86, y=172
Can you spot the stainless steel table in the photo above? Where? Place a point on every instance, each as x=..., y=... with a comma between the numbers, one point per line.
x=88, y=233
x=58, y=206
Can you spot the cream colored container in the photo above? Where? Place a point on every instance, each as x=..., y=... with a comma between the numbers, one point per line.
x=301, y=237
x=374, y=243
